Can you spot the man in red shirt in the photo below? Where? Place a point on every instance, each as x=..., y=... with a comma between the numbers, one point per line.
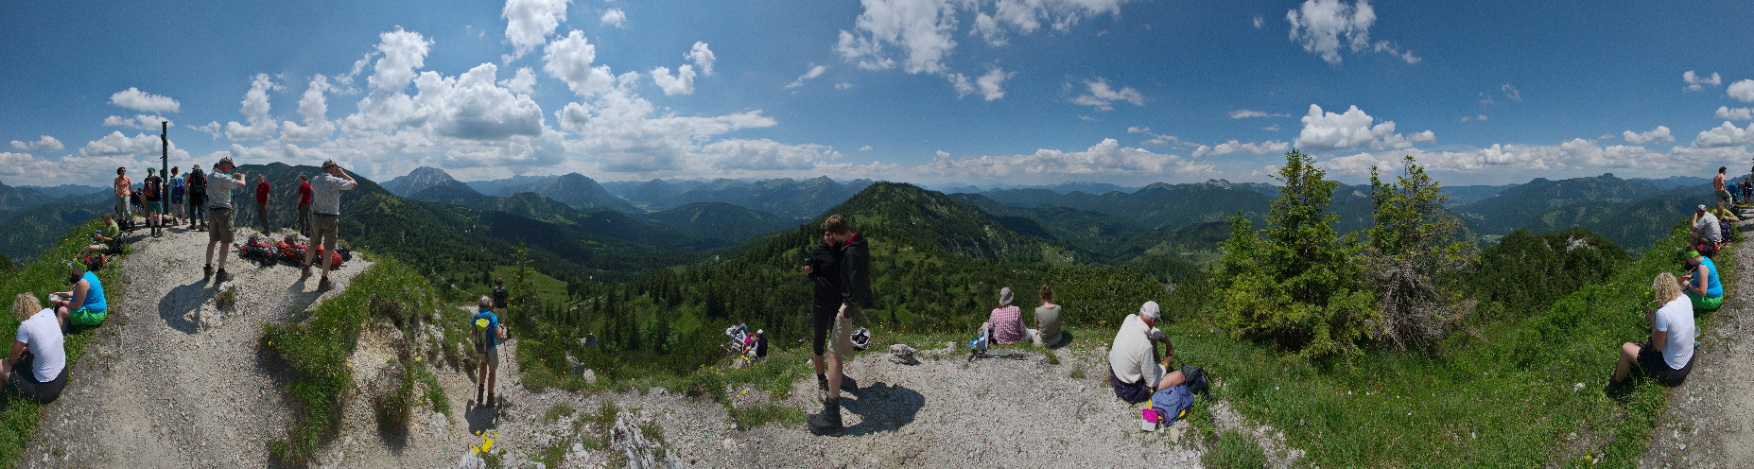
x=304, y=206
x=262, y=201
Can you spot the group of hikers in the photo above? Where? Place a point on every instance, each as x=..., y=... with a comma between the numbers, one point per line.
x=36, y=364
x=1666, y=356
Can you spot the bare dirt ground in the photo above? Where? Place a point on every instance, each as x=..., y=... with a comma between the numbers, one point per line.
x=173, y=380
x=1710, y=419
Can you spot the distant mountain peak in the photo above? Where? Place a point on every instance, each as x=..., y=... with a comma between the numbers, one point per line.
x=423, y=178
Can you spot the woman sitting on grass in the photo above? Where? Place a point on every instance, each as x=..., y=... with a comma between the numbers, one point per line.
x=37, y=366
x=84, y=305
x=1668, y=356
x=1702, y=284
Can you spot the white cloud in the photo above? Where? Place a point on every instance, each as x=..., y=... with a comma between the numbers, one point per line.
x=1258, y=21
x=522, y=82
x=1725, y=135
x=404, y=52
x=1740, y=113
x=843, y=86
x=1696, y=82
x=313, y=107
x=1248, y=113
x=990, y=85
x=139, y=121
x=1510, y=92
x=1575, y=157
x=1477, y=117
x=1233, y=146
x=1324, y=131
x=624, y=134
x=1138, y=130
x=41, y=143
x=614, y=17
x=116, y=144
x=1323, y=27
x=922, y=28
x=683, y=81
x=472, y=106
x=1028, y=16
x=1742, y=90
x=1102, y=96
x=255, y=110
x=1105, y=158
x=815, y=71
x=865, y=148
x=529, y=22
x=702, y=56
x=133, y=98
x=1271, y=128
x=1660, y=135
x=569, y=60
x=764, y=155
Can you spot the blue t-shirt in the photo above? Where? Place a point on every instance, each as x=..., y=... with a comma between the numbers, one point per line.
x=1713, y=288
x=94, y=296
x=492, y=327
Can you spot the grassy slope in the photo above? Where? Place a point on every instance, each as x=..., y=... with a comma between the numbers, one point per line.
x=48, y=273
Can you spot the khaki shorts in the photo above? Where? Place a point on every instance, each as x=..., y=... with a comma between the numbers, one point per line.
x=492, y=358
x=219, y=225
x=323, y=231
x=841, y=339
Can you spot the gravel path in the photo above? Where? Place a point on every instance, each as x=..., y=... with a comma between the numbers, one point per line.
x=1710, y=419
x=172, y=380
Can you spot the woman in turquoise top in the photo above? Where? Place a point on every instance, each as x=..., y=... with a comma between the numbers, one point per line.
x=1702, y=283
x=85, y=304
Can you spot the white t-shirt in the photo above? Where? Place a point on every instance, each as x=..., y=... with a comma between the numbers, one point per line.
x=1130, y=356
x=42, y=335
x=1708, y=225
x=1676, y=318
x=326, y=193
x=219, y=187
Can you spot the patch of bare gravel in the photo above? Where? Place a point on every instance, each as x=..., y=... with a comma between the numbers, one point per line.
x=172, y=379
x=1709, y=421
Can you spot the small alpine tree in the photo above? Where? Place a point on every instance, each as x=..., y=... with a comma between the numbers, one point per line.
x=1414, y=240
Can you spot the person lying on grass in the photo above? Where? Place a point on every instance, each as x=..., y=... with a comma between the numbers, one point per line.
x=37, y=363
x=1668, y=356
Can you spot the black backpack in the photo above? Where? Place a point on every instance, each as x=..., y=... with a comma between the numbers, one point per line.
x=197, y=182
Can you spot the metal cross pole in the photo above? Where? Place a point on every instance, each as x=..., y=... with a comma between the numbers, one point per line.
x=164, y=172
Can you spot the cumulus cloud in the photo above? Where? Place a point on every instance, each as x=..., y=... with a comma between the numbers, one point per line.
x=1740, y=113
x=702, y=56
x=41, y=143
x=1324, y=131
x=614, y=17
x=1696, y=82
x=404, y=52
x=313, y=108
x=815, y=71
x=1233, y=146
x=1742, y=90
x=116, y=144
x=990, y=85
x=1572, y=157
x=1249, y=113
x=918, y=36
x=1725, y=135
x=255, y=110
x=1105, y=158
x=625, y=133
x=521, y=82
x=529, y=22
x=865, y=148
x=1028, y=16
x=473, y=106
x=133, y=98
x=569, y=60
x=1659, y=135
x=683, y=81
x=139, y=121
x=1323, y=27
x=764, y=155
x=1102, y=96
x=1258, y=21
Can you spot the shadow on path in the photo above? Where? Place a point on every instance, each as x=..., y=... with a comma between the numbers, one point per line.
x=885, y=408
x=482, y=418
x=176, y=305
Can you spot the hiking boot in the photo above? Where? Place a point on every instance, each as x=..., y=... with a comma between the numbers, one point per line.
x=1617, y=389
x=221, y=276
x=828, y=422
x=207, y=272
x=306, y=271
x=324, y=285
x=490, y=399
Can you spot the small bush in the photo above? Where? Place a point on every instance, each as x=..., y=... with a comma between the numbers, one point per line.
x=394, y=399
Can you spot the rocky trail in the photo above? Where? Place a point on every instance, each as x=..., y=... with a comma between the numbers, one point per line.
x=1710, y=419
x=174, y=379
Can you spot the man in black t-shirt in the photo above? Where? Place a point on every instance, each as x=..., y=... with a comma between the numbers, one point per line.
x=153, y=188
x=500, y=297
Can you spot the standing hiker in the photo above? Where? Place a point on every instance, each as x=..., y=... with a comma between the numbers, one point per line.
x=178, y=192
x=197, y=182
x=501, y=296
x=828, y=309
x=123, y=189
x=152, y=193
x=221, y=183
x=262, y=201
x=304, y=206
x=326, y=193
x=488, y=334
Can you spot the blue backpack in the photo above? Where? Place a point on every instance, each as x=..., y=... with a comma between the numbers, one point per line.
x=176, y=187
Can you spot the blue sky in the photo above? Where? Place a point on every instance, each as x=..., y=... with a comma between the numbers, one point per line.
x=985, y=92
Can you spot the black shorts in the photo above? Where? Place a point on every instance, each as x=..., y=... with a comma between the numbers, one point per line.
x=1650, y=361
x=25, y=380
x=821, y=324
x=1131, y=392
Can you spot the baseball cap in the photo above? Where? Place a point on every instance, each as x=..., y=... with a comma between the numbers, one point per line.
x=1150, y=310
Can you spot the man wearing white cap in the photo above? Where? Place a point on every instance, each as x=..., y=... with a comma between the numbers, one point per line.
x=1134, y=370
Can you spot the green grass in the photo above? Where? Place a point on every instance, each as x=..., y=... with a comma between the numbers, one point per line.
x=48, y=273
x=1233, y=450
x=545, y=286
x=1505, y=399
x=316, y=352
